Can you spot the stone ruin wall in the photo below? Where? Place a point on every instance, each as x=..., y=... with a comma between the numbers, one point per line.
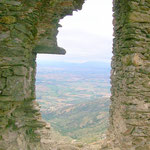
x=30, y=27
x=26, y=28
x=130, y=79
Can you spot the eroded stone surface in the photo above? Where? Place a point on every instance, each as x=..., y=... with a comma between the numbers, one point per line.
x=130, y=109
x=27, y=27
x=24, y=25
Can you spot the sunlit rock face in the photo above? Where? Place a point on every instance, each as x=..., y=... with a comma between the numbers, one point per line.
x=27, y=27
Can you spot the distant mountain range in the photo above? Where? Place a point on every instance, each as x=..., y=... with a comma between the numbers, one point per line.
x=96, y=64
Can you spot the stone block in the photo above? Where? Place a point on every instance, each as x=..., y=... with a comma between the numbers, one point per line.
x=8, y=19
x=20, y=70
x=12, y=61
x=15, y=87
x=145, y=147
x=2, y=83
x=7, y=72
x=4, y=35
x=6, y=98
x=22, y=28
x=136, y=60
x=126, y=60
x=15, y=3
x=139, y=17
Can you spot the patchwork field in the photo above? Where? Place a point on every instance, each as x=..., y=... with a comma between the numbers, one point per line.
x=74, y=98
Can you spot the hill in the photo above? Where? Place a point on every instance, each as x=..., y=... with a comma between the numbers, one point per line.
x=86, y=122
x=74, y=98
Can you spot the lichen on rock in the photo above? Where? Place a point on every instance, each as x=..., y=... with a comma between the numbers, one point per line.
x=26, y=27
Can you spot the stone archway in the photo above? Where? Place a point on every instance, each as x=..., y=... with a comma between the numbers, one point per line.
x=26, y=28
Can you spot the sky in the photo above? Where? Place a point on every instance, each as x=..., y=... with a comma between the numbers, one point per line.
x=87, y=35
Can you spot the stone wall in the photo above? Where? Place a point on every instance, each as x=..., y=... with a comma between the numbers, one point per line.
x=30, y=27
x=26, y=28
x=130, y=79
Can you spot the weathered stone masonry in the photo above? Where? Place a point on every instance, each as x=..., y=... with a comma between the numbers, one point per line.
x=30, y=27
x=26, y=28
x=130, y=79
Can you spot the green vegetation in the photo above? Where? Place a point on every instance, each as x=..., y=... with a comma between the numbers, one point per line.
x=75, y=99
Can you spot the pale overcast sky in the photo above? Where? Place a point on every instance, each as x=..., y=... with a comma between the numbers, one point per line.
x=87, y=35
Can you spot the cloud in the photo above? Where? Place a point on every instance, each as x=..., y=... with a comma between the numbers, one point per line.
x=87, y=35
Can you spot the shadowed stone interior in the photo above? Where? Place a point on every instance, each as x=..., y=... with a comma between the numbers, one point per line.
x=30, y=27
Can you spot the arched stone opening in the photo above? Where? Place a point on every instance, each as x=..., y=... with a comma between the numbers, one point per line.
x=23, y=24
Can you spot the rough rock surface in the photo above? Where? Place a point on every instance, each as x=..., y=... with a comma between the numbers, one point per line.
x=26, y=28
x=30, y=27
x=130, y=79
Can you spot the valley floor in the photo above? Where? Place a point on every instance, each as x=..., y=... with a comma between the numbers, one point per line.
x=74, y=99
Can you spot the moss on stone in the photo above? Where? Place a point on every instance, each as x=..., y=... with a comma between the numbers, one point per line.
x=8, y=19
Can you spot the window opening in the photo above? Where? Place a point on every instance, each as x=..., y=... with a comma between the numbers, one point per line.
x=74, y=90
